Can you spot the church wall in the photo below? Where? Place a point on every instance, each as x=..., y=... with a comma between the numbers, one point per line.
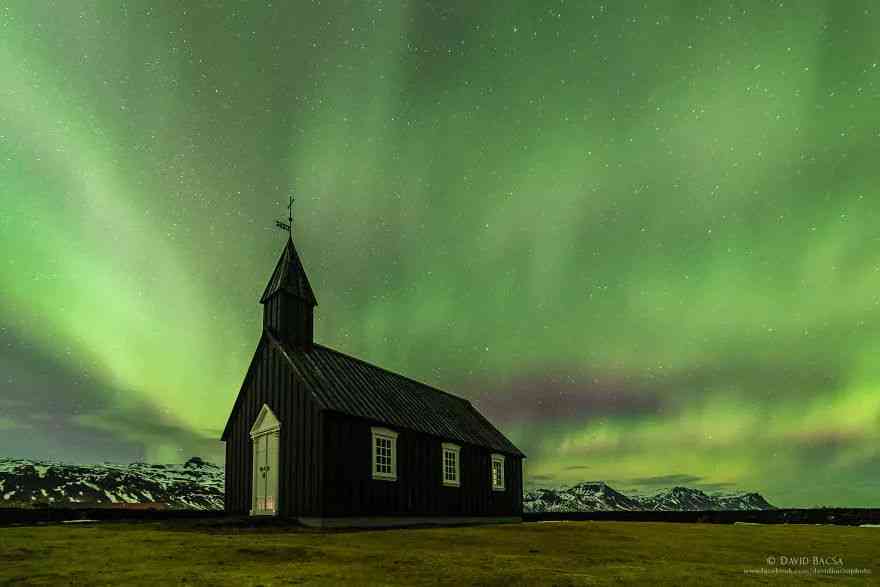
x=350, y=490
x=271, y=381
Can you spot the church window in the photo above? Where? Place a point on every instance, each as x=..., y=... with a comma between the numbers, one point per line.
x=384, y=454
x=451, y=472
x=498, y=472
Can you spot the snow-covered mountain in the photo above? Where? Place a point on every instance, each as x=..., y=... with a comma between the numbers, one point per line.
x=589, y=496
x=192, y=485
x=686, y=499
x=744, y=501
x=596, y=496
x=199, y=485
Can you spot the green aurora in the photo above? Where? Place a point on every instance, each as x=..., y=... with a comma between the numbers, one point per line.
x=640, y=236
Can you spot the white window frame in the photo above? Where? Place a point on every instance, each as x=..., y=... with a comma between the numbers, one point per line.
x=497, y=458
x=390, y=435
x=454, y=449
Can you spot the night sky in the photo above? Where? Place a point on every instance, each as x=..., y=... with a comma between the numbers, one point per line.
x=641, y=237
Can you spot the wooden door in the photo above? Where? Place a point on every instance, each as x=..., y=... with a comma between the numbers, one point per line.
x=259, y=476
x=265, y=434
x=271, y=477
x=265, y=473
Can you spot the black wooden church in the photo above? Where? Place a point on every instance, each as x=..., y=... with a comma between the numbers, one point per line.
x=332, y=440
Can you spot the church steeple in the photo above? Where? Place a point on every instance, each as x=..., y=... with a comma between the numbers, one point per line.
x=288, y=300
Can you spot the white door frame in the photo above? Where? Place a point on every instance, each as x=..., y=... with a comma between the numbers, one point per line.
x=265, y=434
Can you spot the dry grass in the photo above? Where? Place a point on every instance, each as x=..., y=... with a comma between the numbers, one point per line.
x=571, y=553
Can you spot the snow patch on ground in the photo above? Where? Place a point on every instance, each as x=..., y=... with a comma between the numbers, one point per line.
x=8, y=465
x=128, y=498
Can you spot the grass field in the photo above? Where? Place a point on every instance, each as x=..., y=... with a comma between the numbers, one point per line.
x=567, y=553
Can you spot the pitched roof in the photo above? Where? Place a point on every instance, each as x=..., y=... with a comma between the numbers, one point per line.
x=290, y=276
x=354, y=387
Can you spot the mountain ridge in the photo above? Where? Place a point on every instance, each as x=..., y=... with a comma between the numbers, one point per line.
x=199, y=485
x=195, y=484
x=593, y=496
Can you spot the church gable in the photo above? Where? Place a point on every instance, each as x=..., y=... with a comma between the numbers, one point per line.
x=248, y=377
x=270, y=355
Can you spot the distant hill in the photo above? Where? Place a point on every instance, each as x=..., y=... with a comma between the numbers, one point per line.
x=197, y=484
x=595, y=496
x=192, y=485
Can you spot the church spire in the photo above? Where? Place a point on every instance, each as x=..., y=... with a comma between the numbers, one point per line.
x=289, y=276
x=288, y=300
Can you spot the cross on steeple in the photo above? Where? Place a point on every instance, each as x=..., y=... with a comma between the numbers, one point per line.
x=289, y=225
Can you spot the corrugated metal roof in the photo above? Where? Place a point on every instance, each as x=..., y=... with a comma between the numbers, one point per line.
x=351, y=386
x=289, y=276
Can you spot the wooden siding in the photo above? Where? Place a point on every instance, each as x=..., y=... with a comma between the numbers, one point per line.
x=270, y=380
x=290, y=318
x=350, y=490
